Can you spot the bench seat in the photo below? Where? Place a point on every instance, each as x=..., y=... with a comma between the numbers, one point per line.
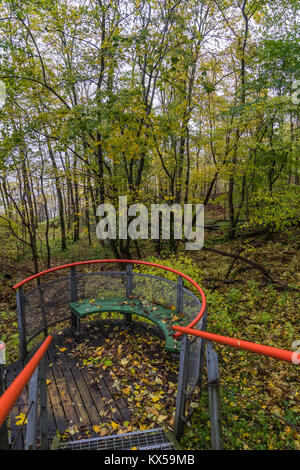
x=163, y=317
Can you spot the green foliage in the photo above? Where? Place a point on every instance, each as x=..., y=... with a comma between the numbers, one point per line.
x=277, y=210
x=219, y=313
x=180, y=262
x=9, y=334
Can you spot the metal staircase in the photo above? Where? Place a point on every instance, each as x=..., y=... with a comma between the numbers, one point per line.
x=139, y=440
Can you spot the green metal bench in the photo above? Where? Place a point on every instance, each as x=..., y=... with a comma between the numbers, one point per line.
x=163, y=317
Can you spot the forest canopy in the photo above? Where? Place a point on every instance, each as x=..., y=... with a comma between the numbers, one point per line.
x=162, y=101
x=156, y=102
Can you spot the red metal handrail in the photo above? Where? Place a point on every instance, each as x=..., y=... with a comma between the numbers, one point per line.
x=276, y=353
x=13, y=392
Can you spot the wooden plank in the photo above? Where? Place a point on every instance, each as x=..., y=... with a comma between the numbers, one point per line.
x=94, y=392
x=105, y=386
x=78, y=398
x=87, y=402
x=74, y=396
x=66, y=400
x=54, y=398
x=90, y=405
x=100, y=394
x=50, y=418
x=94, y=398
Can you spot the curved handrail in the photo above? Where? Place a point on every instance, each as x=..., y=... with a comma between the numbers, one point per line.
x=282, y=354
x=10, y=396
x=127, y=261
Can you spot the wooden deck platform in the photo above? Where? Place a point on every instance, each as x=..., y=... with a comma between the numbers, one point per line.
x=75, y=399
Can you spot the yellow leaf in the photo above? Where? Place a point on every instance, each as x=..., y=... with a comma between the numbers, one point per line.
x=143, y=427
x=161, y=418
x=72, y=430
x=126, y=391
x=21, y=419
x=155, y=398
x=97, y=429
x=114, y=425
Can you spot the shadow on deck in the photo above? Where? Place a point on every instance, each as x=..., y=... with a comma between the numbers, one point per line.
x=84, y=393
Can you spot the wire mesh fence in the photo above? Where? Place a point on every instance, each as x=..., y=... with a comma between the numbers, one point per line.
x=158, y=299
x=46, y=305
x=103, y=284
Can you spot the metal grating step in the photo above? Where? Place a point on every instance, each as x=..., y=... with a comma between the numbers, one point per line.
x=139, y=440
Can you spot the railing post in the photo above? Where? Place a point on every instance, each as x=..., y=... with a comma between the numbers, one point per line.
x=75, y=321
x=37, y=384
x=43, y=405
x=129, y=288
x=214, y=398
x=179, y=306
x=4, y=444
x=202, y=352
x=21, y=323
x=182, y=388
x=30, y=443
x=73, y=284
x=42, y=306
